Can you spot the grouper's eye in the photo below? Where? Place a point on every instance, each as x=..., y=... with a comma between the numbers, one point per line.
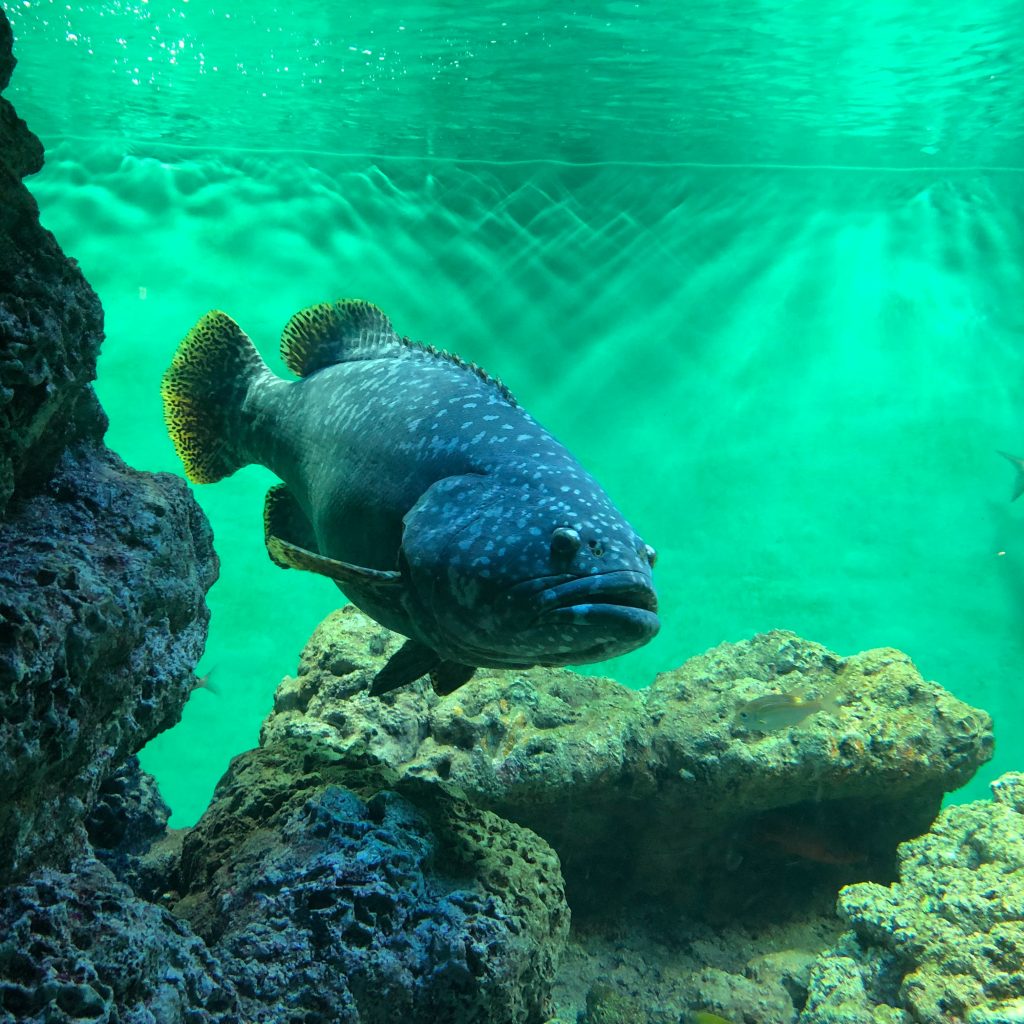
x=565, y=542
x=652, y=555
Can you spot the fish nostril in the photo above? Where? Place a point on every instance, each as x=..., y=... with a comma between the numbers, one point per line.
x=565, y=542
x=596, y=547
x=652, y=555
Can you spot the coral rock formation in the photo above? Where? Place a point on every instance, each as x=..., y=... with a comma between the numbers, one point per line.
x=662, y=796
x=944, y=943
x=103, y=576
x=51, y=324
x=334, y=892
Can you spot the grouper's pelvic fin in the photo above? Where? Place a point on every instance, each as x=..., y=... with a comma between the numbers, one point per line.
x=412, y=661
x=336, y=332
x=203, y=389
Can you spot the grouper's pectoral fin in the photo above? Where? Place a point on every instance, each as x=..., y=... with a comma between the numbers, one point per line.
x=283, y=517
x=414, y=660
x=291, y=556
x=291, y=544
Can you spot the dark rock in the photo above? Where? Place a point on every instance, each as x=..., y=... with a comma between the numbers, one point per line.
x=102, y=616
x=127, y=828
x=103, y=570
x=336, y=893
x=51, y=323
x=129, y=814
x=80, y=946
x=663, y=797
x=103, y=576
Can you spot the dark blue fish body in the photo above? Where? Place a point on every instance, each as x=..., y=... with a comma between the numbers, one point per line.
x=439, y=506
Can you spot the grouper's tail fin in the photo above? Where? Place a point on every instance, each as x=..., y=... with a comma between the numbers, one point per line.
x=203, y=389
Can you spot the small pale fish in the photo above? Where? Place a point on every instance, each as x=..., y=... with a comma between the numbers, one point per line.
x=1018, y=482
x=204, y=682
x=705, y=1017
x=419, y=485
x=780, y=710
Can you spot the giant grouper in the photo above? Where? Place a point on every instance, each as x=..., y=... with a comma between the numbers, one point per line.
x=417, y=483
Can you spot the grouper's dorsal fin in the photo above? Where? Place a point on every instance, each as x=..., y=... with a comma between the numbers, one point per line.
x=350, y=329
x=440, y=353
x=336, y=332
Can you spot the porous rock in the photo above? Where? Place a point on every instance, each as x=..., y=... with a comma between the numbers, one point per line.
x=103, y=570
x=103, y=577
x=668, y=974
x=947, y=938
x=334, y=891
x=80, y=947
x=661, y=796
x=51, y=323
x=127, y=829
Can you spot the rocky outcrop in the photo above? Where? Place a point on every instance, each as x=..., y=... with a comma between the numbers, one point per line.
x=79, y=946
x=945, y=942
x=331, y=891
x=103, y=570
x=51, y=323
x=127, y=829
x=667, y=797
x=103, y=576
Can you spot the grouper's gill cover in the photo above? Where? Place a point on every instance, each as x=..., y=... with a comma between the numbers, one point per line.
x=416, y=482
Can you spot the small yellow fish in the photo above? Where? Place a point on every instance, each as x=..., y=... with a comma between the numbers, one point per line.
x=779, y=710
x=703, y=1017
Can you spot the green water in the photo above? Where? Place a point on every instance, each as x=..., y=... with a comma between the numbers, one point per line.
x=759, y=265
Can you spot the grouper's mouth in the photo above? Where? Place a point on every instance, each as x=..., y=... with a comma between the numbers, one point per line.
x=621, y=589
x=621, y=601
x=569, y=620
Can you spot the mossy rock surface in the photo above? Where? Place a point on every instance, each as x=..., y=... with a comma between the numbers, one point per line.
x=664, y=796
x=330, y=888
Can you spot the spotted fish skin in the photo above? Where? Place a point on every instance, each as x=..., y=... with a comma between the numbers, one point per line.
x=440, y=506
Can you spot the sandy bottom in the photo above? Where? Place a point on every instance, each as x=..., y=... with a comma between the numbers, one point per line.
x=792, y=382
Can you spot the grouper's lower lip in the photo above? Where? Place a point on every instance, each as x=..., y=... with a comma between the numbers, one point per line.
x=623, y=590
x=618, y=617
x=621, y=603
